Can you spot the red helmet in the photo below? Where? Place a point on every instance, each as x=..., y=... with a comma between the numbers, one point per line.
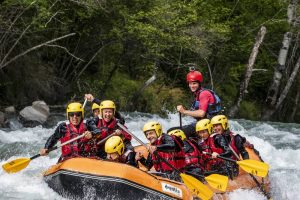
x=194, y=76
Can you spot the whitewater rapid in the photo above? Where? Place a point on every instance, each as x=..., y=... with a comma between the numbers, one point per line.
x=278, y=144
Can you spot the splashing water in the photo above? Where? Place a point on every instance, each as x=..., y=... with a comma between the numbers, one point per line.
x=278, y=144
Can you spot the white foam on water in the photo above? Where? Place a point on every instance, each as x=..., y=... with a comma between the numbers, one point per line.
x=26, y=135
x=267, y=137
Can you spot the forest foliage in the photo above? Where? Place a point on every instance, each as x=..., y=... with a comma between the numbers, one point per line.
x=58, y=50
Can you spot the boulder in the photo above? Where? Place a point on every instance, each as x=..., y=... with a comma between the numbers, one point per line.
x=36, y=114
x=10, y=110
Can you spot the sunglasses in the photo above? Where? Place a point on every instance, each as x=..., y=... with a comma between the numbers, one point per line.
x=72, y=114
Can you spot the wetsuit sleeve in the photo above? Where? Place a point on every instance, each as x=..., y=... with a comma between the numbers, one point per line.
x=147, y=162
x=168, y=144
x=97, y=101
x=221, y=142
x=91, y=126
x=60, y=132
x=131, y=159
x=239, y=143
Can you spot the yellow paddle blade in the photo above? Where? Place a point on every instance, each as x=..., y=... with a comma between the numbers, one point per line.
x=217, y=181
x=16, y=165
x=197, y=187
x=254, y=167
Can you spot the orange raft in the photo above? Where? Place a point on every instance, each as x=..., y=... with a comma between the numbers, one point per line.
x=84, y=178
x=242, y=181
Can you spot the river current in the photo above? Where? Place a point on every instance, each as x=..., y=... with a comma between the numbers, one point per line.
x=278, y=144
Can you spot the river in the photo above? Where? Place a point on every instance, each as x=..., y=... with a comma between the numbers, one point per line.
x=278, y=144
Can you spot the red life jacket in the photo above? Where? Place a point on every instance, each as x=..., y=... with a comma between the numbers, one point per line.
x=232, y=144
x=176, y=159
x=106, y=128
x=211, y=143
x=193, y=158
x=208, y=146
x=71, y=149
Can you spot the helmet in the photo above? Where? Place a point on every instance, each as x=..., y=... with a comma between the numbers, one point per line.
x=107, y=104
x=75, y=107
x=194, y=76
x=178, y=133
x=204, y=124
x=95, y=106
x=153, y=126
x=220, y=119
x=114, y=145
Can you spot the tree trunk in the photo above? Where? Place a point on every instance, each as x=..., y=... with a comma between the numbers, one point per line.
x=267, y=115
x=279, y=69
x=244, y=84
x=295, y=107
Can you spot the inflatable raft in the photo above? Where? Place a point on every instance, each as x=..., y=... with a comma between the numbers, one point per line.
x=86, y=178
x=243, y=181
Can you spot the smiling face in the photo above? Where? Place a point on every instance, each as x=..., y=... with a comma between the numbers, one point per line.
x=151, y=136
x=203, y=134
x=217, y=128
x=194, y=85
x=75, y=118
x=107, y=114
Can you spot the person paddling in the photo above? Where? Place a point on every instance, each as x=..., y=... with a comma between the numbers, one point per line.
x=207, y=147
x=107, y=122
x=205, y=105
x=193, y=158
x=232, y=143
x=75, y=126
x=165, y=146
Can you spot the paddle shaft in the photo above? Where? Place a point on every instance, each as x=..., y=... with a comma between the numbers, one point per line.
x=107, y=137
x=259, y=185
x=58, y=146
x=180, y=120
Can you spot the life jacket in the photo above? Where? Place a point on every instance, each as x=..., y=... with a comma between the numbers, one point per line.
x=232, y=144
x=208, y=146
x=72, y=149
x=193, y=158
x=212, y=109
x=106, y=128
x=176, y=159
x=212, y=145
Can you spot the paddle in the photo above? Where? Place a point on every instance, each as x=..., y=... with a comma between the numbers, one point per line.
x=21, y=163
x=193, y=184
x=253, y=177
x=251, y=166
x=180, y=120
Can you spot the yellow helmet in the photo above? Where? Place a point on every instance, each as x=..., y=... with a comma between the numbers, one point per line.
x=75, y=107
x=153, y=126
x=95, y=106
x=220, y=119
x=114, y=145
x=204, y=124
x=107, y=104
x=178, y=133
